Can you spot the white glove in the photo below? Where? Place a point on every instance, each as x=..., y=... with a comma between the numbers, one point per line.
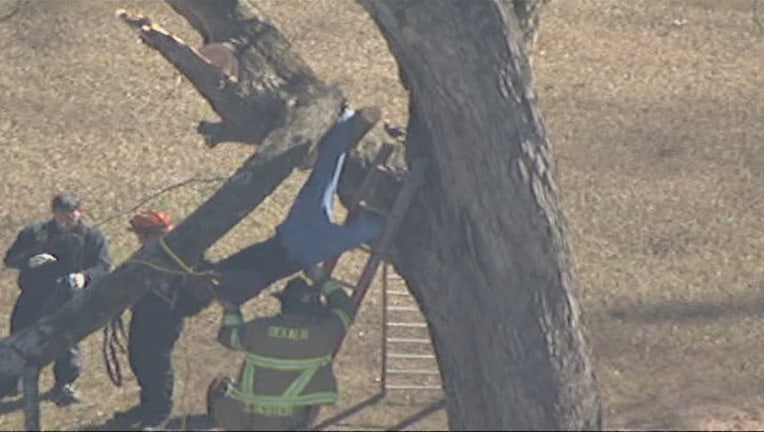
x=38, y=260
x=77, y=280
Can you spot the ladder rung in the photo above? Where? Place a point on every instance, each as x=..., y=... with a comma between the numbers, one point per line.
x=413, y=325
x=413, y=387
x=409, y=340
x=410, y=356
x=412, y=372
x=398, y=293
x=403, y=308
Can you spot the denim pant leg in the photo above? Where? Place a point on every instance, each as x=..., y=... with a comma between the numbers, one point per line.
x=315, y=199
x=318, y=243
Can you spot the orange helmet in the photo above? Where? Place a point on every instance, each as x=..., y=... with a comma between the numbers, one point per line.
x=151, y=222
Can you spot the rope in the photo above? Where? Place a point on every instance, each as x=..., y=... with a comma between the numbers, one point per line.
x=111, y=342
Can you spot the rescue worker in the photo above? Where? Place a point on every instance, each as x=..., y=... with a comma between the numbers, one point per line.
x=288, y=365
x=307, y=236
x=156, y=324
x=61, y=249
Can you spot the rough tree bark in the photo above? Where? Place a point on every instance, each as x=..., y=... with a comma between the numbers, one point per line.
x=484, y=248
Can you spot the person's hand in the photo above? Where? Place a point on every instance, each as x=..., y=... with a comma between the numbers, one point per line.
x=77, y=280
x=315, y=273
x=228, y=305
x=204, y=287
x=40, y=259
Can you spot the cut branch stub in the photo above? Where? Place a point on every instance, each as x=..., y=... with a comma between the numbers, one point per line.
x=269, y=78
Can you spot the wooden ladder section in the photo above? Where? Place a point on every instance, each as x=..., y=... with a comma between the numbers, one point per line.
x=408, y=360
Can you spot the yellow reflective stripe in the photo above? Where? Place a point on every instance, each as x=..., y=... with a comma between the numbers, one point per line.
x=248, y=377
x=234, y=340
x=232, y=319
x=299, y=384
x=343, y=317
x=319, y=398
x=287, y=364
x=330, y=286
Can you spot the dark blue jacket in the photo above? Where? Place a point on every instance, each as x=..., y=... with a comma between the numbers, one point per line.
x=91, y=257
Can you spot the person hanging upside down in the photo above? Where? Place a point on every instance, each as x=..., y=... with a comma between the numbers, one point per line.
x=307, y=236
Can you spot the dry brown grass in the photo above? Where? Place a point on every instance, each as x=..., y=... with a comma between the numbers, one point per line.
x=655, y=110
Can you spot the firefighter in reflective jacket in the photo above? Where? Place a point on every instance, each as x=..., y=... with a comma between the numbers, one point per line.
x=288, y=366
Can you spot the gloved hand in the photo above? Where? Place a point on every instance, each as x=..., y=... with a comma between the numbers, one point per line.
x=203, y=288
x=40, y=259
x=315, y=273
x=77, y=280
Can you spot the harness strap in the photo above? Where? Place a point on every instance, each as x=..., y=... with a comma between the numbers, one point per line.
x=292, y=395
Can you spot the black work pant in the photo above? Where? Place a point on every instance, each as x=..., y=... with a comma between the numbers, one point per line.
x=151, y=362
x=30, y=307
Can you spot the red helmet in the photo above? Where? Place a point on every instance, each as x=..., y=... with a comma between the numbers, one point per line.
x=151, y=222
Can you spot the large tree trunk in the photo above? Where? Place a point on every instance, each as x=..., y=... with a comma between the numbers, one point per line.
x=484, y=248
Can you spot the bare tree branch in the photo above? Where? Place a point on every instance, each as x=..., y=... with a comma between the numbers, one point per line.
x=162, y=191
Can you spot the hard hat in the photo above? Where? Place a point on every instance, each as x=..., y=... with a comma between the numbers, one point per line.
x=150, y=222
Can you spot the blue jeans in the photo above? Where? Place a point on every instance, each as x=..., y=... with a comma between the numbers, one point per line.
x=308, y=232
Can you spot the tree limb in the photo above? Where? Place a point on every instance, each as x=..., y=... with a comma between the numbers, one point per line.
x=109, y=296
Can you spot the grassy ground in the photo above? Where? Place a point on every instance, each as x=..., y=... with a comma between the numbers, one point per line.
x=655, y=110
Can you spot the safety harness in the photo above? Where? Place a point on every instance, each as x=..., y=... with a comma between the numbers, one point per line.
x=292, y=396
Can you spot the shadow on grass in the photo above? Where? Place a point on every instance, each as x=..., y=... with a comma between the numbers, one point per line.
x=204, y=422
x=349, y=412
x=337, y=419
x=188, y=422
x=689, y=311
x=7, y=406
x=418, y=416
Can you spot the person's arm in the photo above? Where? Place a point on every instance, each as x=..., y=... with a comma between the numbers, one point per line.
x=97, y=259
x=230, y=326
x=23, y=248
x=195, y=293
x=338, y=302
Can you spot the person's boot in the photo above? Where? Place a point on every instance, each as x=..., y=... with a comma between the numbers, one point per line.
x=64, y=395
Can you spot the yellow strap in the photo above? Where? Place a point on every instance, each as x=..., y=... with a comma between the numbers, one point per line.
x=343, y=317
x=186, y=268
x=287, y=364
x=232, y=319
x=174, y=256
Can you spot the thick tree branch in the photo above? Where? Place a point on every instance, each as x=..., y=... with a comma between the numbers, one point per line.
x=271, y=78
x=219, y=89
x=282, y=148
x=109, y=296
